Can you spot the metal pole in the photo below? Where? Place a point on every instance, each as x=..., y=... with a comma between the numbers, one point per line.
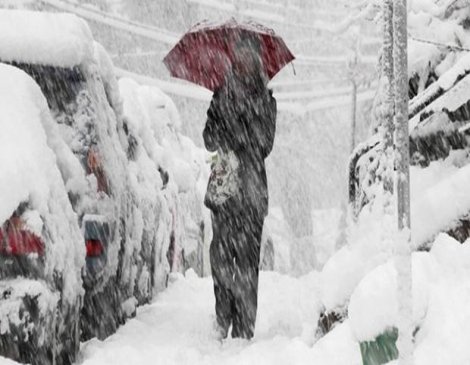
x=353, y=114
x=402, y=181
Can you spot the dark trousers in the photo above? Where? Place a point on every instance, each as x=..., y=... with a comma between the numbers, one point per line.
x=234, y=256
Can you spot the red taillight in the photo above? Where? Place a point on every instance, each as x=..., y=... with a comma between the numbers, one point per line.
x=17, y=242
x=94, y=248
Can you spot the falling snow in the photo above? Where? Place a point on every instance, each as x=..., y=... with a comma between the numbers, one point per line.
x=234, y=182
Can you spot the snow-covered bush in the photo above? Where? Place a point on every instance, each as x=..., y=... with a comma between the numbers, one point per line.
x=438, y=36
x=440, y=303
x=438, y=111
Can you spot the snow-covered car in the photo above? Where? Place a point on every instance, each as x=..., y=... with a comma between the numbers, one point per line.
x=41, y=247
x=184, y=223
x=58, y=51
x=146, y=180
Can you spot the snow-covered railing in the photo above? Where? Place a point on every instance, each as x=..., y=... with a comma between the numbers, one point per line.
x=15, y=3
x=332, y=60
x=307, y=82
x=199, y=93
x=96, y=15
x=271, y=7
x=334, y=102
x=316, y=94
x=256, y=14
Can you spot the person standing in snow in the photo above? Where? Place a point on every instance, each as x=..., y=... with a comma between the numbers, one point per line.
x=241, y=123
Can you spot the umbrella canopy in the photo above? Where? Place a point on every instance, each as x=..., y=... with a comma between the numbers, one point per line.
x=205, y=53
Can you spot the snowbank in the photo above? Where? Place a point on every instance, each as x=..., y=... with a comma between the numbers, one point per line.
x=178, y=329
x=438, y=201
x=5, y=361
x=370, y=244
x=439, y=196
x=440, y=303
x=44, y=38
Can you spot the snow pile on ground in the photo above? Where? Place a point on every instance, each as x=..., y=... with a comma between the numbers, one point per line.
x=29, y=174
x=440, y=294
x=5, y=361
x=177, y=329
x=370, y=245
x=325, y=234
x=438, y=194
x=44, y=38
x=438, y=200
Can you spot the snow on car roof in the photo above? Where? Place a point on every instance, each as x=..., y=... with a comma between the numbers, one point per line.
x=56, y=39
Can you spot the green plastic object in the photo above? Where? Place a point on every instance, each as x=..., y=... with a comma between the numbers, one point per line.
x=382, y=350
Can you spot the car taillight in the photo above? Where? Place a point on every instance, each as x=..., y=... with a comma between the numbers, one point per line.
x=18, y=242
x=94, y=248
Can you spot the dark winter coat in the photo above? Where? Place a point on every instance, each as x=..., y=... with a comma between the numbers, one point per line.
x=242, y=119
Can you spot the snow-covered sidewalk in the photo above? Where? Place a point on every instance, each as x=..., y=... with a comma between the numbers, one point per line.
x=177, y=329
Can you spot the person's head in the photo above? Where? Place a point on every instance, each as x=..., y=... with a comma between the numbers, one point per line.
x=247, y=62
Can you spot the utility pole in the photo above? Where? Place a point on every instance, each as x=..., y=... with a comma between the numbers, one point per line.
x=387, y=125
x=353, y=77
x=353, y=109
x=402, y=183
x=387, y=71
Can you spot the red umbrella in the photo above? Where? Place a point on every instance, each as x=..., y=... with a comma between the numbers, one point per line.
x=204, y=54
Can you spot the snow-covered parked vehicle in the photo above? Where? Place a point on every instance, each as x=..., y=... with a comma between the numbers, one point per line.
x=58, y=51
x=146, y=180
x=41, y=247
x=184, y=223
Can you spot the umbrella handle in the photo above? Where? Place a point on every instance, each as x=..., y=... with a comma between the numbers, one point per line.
x=293, y=68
